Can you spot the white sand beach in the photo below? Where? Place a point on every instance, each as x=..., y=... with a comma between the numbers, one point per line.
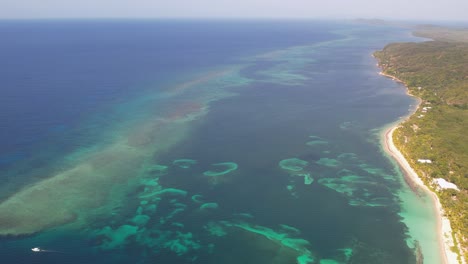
x=444, y=228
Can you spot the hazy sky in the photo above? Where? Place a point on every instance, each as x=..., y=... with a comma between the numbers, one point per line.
x=399, y=9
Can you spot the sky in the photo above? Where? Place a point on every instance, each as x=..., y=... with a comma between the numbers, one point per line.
x=299, y=9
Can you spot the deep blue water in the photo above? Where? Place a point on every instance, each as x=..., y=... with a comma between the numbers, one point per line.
x=249, y=96
x=53, y=71
x=58, y=74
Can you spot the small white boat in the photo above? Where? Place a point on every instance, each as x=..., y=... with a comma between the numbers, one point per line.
x=36, y=249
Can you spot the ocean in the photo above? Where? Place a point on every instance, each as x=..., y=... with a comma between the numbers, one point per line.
x=198, y=141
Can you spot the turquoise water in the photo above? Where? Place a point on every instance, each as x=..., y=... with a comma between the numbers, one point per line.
x=201, y=142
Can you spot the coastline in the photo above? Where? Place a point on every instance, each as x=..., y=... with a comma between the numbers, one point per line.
x=444, y=230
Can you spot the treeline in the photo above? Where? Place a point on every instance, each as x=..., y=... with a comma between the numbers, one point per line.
x=436, y=72
x=436, y=67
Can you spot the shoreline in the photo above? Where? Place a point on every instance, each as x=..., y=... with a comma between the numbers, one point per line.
x=444, y=230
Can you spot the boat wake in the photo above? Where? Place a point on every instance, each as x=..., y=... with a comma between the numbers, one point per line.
x=37, y=249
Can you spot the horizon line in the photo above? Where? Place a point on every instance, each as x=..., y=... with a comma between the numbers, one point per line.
x=227, y=19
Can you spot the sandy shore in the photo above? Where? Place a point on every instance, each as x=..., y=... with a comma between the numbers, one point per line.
x=391, y=77
x=444, y=228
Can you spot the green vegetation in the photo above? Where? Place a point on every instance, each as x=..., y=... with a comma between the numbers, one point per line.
x=442, y=34
x=437, y=72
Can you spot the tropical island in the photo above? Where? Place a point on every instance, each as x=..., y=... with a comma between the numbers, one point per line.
x=433, y=140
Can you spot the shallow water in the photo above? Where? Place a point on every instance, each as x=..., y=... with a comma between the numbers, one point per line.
x=178, y=142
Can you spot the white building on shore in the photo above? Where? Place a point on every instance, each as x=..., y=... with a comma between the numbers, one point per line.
x=444, y=184
x=424, y=161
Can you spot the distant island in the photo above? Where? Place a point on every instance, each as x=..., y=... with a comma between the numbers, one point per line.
x=371, y=21
x=442, y=34
x=433, y=140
